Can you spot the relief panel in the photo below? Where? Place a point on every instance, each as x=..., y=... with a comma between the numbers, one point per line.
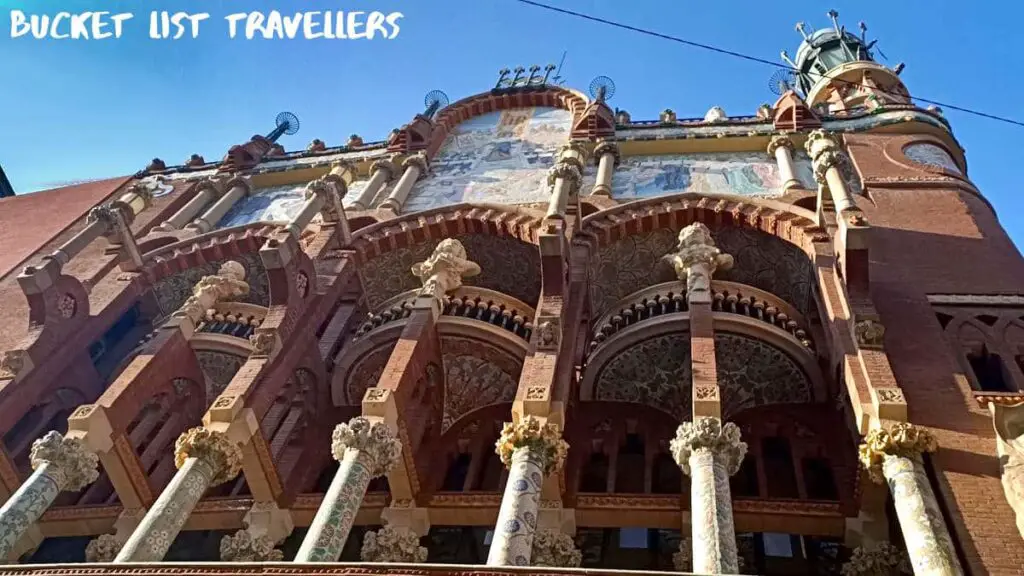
x=501, y=158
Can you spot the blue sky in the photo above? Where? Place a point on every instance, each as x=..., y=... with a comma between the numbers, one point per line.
x=89, y=109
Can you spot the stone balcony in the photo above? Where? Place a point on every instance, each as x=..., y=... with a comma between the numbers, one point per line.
x=288, y=568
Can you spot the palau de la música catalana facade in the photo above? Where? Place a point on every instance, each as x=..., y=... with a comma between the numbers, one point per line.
x=526, y=334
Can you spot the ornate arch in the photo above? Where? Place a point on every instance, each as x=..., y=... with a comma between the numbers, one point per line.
x=485, y=103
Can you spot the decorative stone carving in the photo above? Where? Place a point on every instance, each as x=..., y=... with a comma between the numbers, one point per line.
x=108, y=216
x=780, y=141
x=555, y=548
x=682, y=560
x=1009, y=424
x=223, y=455
x=607, y=147
x=243, y=547
x=567, y=171
x=444, y=270
x=419, y=161
x=709, y=433
x=825, y=154
x=715, y=115
x=544, y=440
x=103, y=548
x=71, y=465
x=227, y=284
x=696, y=258
x=881, y=559
x=66, y=306
x=12, y=362
x=375, y=441
x=901, y=439
x=547, y=334
x=391, y=544
x=385, y=165
x=869, y=333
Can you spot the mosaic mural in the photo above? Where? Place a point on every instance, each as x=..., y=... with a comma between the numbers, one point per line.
x=931, y=155
x=743, y=173
x=762, y=261
x=276, y=204
x=476, y=375
x=391, y=273
x=501, y=157
x=655, y=373
x=753, y=373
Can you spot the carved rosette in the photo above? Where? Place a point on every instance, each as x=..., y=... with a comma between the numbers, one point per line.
x=373, y=440
x=391, y=544
x=103, y=548
x=901, y=439
x=881, y=559
x=555, y=548
x=71, y=465
x=214, y=448
x=243, y=547
x=709, y=434
x=697, y=258
x=444, y=270
x=543, y=440
x=780, y=141
x=825, y=153
x=682, y=560
x=607, y=147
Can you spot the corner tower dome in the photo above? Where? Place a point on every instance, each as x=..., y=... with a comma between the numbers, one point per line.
x=837, y=70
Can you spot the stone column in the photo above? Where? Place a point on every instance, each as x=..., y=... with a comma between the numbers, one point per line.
x=827, y=157
x=238, y=188
x=393, y=544
x=320, y=197
x=206, y=192
x=415, y=167
x=531, y=451
x=381, y=173
x=893, y=455
x=606, y=153
x=365, y=450
x=781, y=146
x=59, y=464
x=565, y=178
x=709, y=452
x=204, y=459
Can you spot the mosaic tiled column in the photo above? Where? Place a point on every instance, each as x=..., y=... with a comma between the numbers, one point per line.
x=893, y=455
x=415, y=167
x=59, y=464
x=530, y=450
x=709, y=452
x=607, y=156
x=393, y=544
x=828, y=157
x=381, y=172
x=365, y=450
x=781, y=146
x=204, y=458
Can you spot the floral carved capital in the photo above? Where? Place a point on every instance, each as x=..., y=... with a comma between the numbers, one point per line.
x=555, y=548
x=543, y=440
x=901, y=439
x=418, y=161
x=444, y=270
x=567, y=171
x=608, y=147
x=244, y=547
x=374, y=440
x=825, y=153
x=709, y=434
x=214, y=448
x=71, y=465
x=881, y=559
x=387, y=166
x=697, y=258
x=391, y=544
x=103, y=548
x=780, y=141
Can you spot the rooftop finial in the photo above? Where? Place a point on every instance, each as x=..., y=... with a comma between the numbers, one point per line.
x=863, y=31
x=834, y=16
x=802, y=29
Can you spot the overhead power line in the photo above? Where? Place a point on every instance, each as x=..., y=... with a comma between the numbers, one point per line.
x=748, y=57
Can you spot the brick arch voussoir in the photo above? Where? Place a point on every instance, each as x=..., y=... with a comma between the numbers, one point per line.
x=211, y=247
x=792, y=224
x=480, y=104
x=456, y=220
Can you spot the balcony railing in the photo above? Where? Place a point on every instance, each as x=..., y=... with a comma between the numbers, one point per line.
x=233, y=319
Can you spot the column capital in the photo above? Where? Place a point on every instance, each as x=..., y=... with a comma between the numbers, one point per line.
x=112, y=216
x=880, y=558
x=825, y=153
x=418, y=160
x=103, y=548
x=214, y=448
x=72, y=465
x=322, y=189
x=780, y=141
x=556, y=549
x=902, y=439
x=393, y=544
x=374, y=440
x=607, y=147
x=388, y=166
x=723, y=440
x=567, y=170
x=444, y=270
x=697, y=258
x=542, y=440
x=244, y=547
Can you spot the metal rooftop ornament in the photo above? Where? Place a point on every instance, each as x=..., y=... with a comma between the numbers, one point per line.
x=602, y=89
x=287, y=123
x=434, y=101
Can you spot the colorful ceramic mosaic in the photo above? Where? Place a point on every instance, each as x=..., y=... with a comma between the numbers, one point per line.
x=501, y=157
x=276, y=204
x=744, y=173
x=931, y=155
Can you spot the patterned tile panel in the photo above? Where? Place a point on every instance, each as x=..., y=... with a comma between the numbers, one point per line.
x=276, y=204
